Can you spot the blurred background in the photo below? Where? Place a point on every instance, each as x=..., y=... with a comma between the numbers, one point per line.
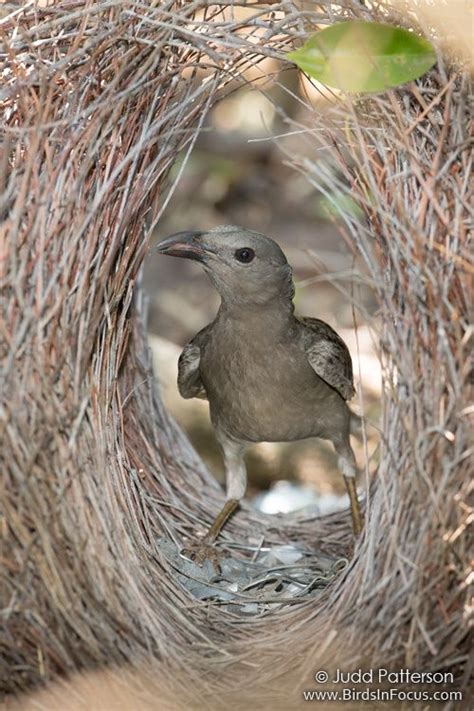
x=240, y=172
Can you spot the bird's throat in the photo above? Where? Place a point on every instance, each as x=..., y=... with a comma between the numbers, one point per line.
x=272, y=317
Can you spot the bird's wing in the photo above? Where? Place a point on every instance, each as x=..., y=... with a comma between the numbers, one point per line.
x=189, y=377
x=328, y=355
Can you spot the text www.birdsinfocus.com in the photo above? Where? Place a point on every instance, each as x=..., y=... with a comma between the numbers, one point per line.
x=383, y=685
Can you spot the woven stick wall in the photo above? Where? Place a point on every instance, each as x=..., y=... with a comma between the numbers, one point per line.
x=98, y=98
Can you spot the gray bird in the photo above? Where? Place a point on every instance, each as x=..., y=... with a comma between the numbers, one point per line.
x=268, y=375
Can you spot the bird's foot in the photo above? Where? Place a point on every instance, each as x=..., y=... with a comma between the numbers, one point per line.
x=200, y=551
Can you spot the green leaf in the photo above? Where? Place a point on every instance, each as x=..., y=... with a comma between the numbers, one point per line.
x=336, y=205
x=364, y=56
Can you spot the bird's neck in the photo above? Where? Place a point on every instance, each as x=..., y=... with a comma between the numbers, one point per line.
x=275, y=315
x=270, y=300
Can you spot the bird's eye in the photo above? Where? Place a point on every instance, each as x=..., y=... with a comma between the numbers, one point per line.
x=244, y=255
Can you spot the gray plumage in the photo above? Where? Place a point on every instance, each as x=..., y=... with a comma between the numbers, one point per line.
x=260, y=386
x=268, y=375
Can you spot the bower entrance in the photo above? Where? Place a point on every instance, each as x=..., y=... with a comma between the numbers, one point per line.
x=98, y=100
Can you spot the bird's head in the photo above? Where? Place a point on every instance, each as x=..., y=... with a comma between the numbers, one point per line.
x=245, y=267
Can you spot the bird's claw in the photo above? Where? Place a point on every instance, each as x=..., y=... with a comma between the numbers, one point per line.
x=200, y=551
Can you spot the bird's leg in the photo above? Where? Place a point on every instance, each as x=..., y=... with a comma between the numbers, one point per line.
x=226, y=511
x=347, y=467
x=356, y=513
x=236, y=483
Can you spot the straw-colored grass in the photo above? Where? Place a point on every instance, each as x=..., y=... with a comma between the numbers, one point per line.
x=97, y=99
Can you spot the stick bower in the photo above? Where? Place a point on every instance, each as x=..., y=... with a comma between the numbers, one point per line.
x=98, y=99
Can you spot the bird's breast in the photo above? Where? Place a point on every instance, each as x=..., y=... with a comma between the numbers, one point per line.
x=261, y=389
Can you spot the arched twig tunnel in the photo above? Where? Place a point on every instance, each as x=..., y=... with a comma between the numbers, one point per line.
x=98, y=99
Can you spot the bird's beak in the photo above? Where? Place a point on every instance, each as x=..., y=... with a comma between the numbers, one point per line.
x=184, y=244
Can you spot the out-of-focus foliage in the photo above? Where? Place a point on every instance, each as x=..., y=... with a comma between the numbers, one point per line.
x=364, y=56
x=450, y=21
x=333, y=206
